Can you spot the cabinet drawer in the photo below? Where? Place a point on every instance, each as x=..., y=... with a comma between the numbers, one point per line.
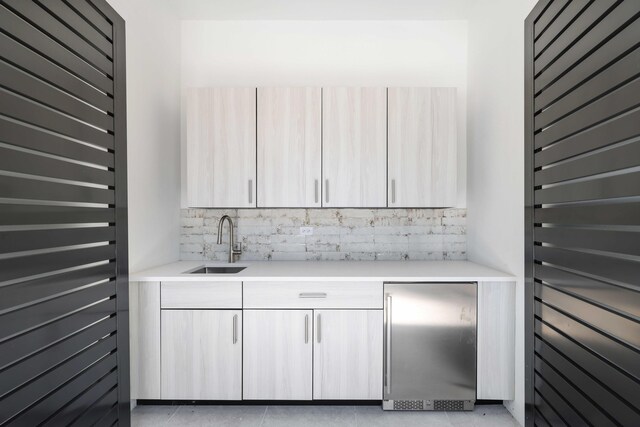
x=201, y=295
x=313, y=295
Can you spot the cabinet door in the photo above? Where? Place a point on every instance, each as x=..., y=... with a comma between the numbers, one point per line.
x=202, y=354
x=496, y=340
x=221, y=147
x=277, y=355
x=347, y=357
x=422, y=147
x=289, y=147
x=354, y=147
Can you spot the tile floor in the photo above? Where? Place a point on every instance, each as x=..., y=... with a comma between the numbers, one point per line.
x=294, y=416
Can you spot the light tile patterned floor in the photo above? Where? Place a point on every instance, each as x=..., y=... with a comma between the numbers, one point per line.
x=294, y=416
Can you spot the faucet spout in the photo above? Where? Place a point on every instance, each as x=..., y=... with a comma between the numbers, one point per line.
x=233, y=250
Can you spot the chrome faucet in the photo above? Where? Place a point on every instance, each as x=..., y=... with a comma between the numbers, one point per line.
x=233, y=248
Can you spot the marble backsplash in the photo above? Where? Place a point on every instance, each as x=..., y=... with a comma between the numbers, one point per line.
x=338, y=234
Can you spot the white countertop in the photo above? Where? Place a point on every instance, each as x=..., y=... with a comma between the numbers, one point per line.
x=386, y=271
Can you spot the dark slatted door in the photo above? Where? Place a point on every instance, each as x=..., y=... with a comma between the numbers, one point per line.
x=583, y=213
x=63, y=220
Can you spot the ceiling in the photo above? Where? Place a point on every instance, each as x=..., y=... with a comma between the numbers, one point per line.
x=322, y=10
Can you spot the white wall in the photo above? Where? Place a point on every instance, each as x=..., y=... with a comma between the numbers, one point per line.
x=153, y=107
x=496, y=152
x=330, y=53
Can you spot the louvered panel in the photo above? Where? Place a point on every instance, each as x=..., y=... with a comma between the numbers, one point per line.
x=64, y=351
x=582, y=251
x=549, y=16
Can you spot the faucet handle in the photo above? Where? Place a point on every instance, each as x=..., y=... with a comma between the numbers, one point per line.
x=237, y=248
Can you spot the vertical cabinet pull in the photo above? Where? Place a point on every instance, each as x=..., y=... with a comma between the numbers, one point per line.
x=387, y=358
x=326, y=190
x=250, y=191
x=306, y=328
x=319, y=328
x=235, y=328
x=393, y=191
x=315, y=198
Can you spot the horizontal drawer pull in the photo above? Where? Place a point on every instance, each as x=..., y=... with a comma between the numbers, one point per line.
x=312, y=295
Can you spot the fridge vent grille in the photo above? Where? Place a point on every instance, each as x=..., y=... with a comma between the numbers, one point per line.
x=448, y=405
x=408, y=405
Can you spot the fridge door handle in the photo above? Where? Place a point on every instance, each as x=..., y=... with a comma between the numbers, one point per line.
x=387, y=358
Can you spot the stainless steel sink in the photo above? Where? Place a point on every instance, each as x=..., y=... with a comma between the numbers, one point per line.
x=217, y=270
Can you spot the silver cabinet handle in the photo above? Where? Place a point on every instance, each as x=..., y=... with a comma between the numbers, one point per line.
x=235, y=328
x=387, y=359
x=393, y=191
x=316, y=191
x=326, y=190
x=312, y=295
x=306, y=328
x=250, y=191
x=319, y=328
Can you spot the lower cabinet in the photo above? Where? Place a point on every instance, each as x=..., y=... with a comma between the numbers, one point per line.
x=201, y=353
x=277, y=361
x=347, y=354
x=319, y=354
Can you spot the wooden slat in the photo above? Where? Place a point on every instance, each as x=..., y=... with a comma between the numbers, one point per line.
x=581, y=26
x=621, y=129
x=595, y=40
x=604, y=188
x=622, y=157
x=612, y=105
x=543, y=409
x=618, y=214
x=20, y=109
x=613, y=352
x=17, y=241
x=22, y=294
x=561, y=23
x=548, y=17
x=34, y=139
x=606, y=268
x=39, y=339
x=620, y=242
x=36, y=365
x=585, y=68
x=30, y=11
x=71, y=18
x=601, y=370
x=53, y=402
x=11, y=214
x=614, y=325
x=572, y=394
x=86, y=400
x=31, y=189
x=616, y=409
x=619, y=73
x=33, y=164
x=561, y=413
x=21, y=321
x=30, y=87
x=615, y=298
x=32, y=63
x=91, y=15
x=53, y=51
x=91, y=412
x=19, y=267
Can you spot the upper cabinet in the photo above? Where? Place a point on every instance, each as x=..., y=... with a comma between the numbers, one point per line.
x=422, y=147
x=354, y=151
x=221, y=147
x=289, y=147
x=332, y=147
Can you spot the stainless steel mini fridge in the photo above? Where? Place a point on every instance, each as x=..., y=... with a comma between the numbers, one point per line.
x=429, y=346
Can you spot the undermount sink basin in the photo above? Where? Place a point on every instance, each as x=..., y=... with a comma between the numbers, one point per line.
x=217, y=270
